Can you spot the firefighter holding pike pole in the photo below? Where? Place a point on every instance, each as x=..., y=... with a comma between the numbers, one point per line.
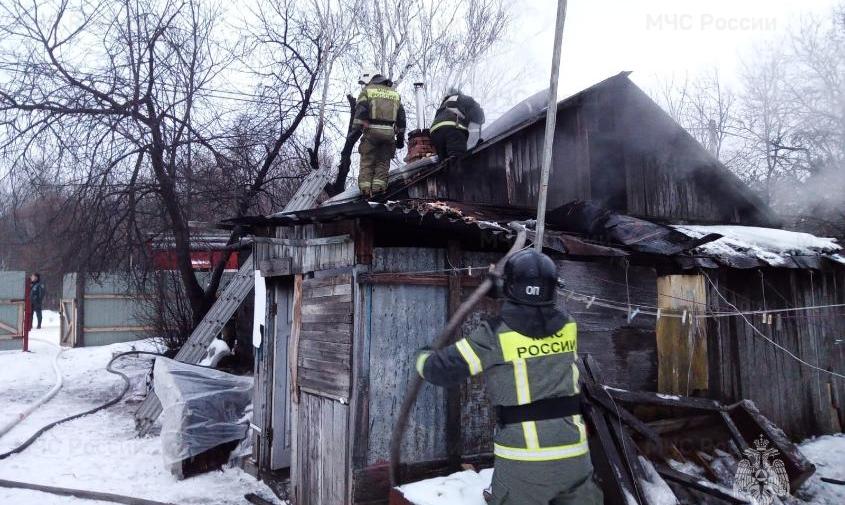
x=528, y=358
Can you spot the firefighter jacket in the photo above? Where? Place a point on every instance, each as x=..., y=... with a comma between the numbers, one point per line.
x=381, y=107
x=458, y=111
x=518, y=370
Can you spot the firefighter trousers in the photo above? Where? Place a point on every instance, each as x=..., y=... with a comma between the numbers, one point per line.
x=449, y=141
x=377, y=148
x=561, y=482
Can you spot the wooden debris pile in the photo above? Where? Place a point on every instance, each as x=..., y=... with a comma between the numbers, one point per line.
x=649, y=448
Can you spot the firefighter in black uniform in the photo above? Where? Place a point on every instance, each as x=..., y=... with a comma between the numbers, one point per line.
x=450, y=128
x=528, y=358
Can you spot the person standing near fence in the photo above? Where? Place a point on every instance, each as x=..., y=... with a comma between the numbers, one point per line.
x=36, y=298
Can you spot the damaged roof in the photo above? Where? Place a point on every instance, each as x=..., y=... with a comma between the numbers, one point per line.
x=582, y=229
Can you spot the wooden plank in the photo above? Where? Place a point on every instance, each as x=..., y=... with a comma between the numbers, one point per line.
x=295, y=335
x=344, y=328
x=322, y=387
x=697, y=484
x=273, y=267
x=360, y=398
x=327, y=318
x=317, y=354
x=336, y=289
x=343, y=307
x=316, y=301
x=413, y=279
x=364, y=240
x=608, y=460
x=601, y=398
x=306, y=345
x=663, y=400
x=681, y=342
x=316, y=282
x=327, y=336
x=325, y=364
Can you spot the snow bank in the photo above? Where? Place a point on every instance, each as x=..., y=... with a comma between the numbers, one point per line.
x=828, y=454
x=462, y=488
x=767, y=244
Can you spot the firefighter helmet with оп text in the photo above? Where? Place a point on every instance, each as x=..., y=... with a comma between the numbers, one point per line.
x=530, y=278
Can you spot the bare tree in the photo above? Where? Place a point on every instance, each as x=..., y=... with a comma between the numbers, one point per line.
x=119, y=95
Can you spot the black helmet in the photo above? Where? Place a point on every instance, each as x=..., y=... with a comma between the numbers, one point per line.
x=530, y=278
x=380, y=79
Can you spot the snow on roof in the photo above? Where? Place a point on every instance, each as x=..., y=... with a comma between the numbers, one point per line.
x=769, y=245
x=461, y=488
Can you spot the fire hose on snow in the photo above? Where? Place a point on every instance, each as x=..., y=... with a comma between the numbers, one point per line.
x=44, y=399
x=443, y=339
x=126, y=384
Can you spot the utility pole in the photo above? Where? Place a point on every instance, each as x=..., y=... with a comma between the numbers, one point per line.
x=551, y=119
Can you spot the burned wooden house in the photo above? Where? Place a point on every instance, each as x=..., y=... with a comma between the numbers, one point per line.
x=674, y=270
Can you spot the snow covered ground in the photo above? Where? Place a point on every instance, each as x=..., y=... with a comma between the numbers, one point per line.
x=99, y=452
x=827, y=453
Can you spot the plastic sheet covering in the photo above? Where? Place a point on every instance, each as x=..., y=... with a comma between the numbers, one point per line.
x=202, y=408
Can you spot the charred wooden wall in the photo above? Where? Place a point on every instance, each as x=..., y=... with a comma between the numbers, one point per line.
x=613, y=145
x=626, y=351
x=743, y=365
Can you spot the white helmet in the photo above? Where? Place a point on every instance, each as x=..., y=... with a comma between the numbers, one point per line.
x=365, y=78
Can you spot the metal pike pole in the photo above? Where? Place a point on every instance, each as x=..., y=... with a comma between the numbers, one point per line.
x=551, y=119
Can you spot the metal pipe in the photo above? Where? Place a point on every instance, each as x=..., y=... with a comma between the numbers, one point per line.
x=419, y=95
x=551, y=118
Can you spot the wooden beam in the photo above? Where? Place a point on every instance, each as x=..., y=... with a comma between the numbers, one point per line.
x=662, y=400
x=413, y=279
x=602, y=399
x=697, y=484
x=364, y=241
x=274, y=267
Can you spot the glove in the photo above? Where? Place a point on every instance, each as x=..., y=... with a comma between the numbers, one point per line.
x=400, y=142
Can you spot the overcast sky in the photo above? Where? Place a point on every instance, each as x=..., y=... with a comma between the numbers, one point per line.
x=653, y=38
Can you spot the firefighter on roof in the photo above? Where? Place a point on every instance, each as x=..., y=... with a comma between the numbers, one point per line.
x=381, y=117
x=528, y=359
x=450, y=128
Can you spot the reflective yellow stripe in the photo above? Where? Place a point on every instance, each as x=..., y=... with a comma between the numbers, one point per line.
x=576, y=374
x=382, y=93
x=421, y=362
x=516, y=346
x=523, y=396
x=582, y=429
x=520, y=377
x=469, y=356
x=446, y=123
x=381, y=126
x=542, y=453
x=529, y=429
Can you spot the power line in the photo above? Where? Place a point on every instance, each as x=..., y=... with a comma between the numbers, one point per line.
x=757, y=331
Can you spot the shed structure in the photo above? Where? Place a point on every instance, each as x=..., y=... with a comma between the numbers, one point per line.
x=355, y=288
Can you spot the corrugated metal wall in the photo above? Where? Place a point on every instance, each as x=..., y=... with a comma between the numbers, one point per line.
x=403, y=319
x=113, y=307
x=12, y=316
